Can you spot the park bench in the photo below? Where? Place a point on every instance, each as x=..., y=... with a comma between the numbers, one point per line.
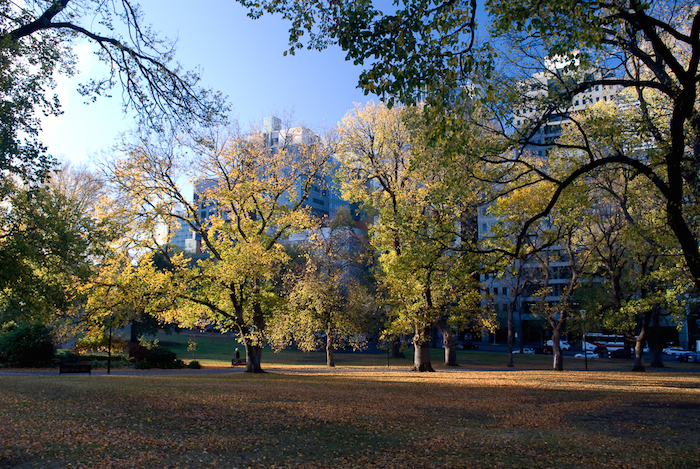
x=74, y=368
x=237, y=361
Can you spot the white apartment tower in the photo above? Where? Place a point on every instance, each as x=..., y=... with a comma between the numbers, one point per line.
x=526, y=276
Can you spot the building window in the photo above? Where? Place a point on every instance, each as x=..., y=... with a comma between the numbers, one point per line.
x=317, y=201
x=483, y=227
x=576, y=102
x=495, y=290
x=505, y=290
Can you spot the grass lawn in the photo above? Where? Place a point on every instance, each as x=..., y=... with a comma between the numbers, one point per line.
x=309, y=417
x=215, y=349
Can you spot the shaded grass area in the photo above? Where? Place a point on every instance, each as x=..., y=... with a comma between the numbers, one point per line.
x=312, y=418
x=215, y=349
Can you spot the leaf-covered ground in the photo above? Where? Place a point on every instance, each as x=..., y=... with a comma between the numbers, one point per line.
x=309, y=418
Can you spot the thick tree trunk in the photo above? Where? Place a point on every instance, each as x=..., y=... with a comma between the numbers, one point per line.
x=639, y=356
x=254, y=352
x=329, y=347
x=557, y=353
x=450, y=350
x=253, y=358
x=558, y=325
x=421, y=354
x=448, y=341
x=396, y=348
x=639, y=344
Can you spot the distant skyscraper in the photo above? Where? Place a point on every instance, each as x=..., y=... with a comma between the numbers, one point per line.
x=500, y=286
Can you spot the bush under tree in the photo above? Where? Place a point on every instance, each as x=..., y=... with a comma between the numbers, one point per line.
x=148, y=354
x=26, y=345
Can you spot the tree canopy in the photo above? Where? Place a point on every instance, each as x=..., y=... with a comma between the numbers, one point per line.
x=249, y=195
x=36, y=43
x=427, y=49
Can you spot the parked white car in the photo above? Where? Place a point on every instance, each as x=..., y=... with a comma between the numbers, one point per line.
x=675, y=351
x=528, y=350
x=589, y=354
x=563, y=344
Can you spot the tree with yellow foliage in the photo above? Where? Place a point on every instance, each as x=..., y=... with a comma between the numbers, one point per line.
x=420, y=226
x=250, y=194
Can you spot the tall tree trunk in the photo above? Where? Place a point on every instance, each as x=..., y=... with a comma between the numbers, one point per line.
x=329, y=346
x=557, y=353
x=254, y=349
x=421, y=346
x=448, y=341
x=558, y=326
x=639, y=343
x=253, y=358
x=396, y=351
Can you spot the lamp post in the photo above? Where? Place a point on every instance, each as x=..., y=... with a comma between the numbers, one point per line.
x=585, y=352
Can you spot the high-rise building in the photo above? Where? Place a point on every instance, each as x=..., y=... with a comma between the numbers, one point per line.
x=324, y=199
x=525, y=278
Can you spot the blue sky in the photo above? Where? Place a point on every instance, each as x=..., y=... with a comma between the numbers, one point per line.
x=241, y=57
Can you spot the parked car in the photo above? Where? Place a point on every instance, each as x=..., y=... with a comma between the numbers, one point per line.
x=620, y=353
x=528, y=350
x=602, y=352
x=563, y=344
x=675, y=350
x=589, y=354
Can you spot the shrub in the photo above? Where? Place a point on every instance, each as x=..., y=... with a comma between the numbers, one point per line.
x=27, y=345
x=161, y=357
x=138, y=352
x=142, y=365
x=194, y=364
x=95, y=364
x=154, y=356
x=67, y=356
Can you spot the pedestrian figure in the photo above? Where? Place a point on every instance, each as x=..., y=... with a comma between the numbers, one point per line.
x=236, y=354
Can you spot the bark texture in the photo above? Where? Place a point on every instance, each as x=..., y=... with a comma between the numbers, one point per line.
x=330, y=361
x=421, y=347
x=449, y=343
x=253, y=359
